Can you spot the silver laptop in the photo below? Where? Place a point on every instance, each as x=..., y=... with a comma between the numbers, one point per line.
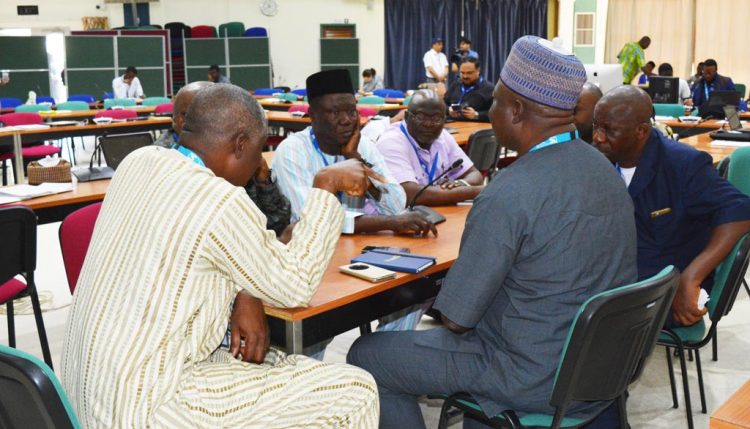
x=733, y=118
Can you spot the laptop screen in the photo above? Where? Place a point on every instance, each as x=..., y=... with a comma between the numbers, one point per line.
x=733, y=117
x=117, y=147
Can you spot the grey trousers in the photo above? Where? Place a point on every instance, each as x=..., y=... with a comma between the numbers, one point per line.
x=404, y=370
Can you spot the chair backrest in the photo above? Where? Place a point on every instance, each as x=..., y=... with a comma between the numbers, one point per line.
x=31, y=395
x=738, y=170
x=177, y=29
x=125, y=102
x=388, y=93
x=74, y=105
x=108, y=95
x=728, y=278
x=300, y=91
x=164, y=109
x=673, y=110
x=256, y=32
x=232, y=29
x=367, y=112
x=18, y=252
x=299, y=108
x=32, y=108
x=610, y=337
x=44, y=99
x=204, y=32
x=10, y=102
x=483, y=150
x=75, y=236
x=288, y=96
x=82, y=97
x=265, y=91
x=741, y=88
x=117, y=114
x=371, y=99
x=406, y=101
x=21, y=118
x=154, y=101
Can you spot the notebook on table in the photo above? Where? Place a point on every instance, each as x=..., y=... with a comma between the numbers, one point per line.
x=396, y=261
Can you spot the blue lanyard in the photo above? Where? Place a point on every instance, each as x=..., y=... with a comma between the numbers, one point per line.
x=317, y=148
x=560, y=138
x=431, y=173
x=705, y=89
x=190, y=155
x=465, y=90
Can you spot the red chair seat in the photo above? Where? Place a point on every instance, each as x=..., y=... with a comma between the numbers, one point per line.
x=11, y=289
x=75, y=236
x=39, y=151
x=6, y=156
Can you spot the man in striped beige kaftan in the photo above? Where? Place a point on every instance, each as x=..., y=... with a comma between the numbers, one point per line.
x=176, y=240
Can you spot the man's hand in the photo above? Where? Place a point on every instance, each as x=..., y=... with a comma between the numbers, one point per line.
x=350, y=148
x=469, y=113
x=248, y=323
x=685, y=304
x=453, y=114
x=412, y=223
x=450, y=184
x=350, y=176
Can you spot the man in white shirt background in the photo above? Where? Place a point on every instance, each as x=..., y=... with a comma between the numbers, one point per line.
x=684, y=94
x=435, y=62
x=128, y=85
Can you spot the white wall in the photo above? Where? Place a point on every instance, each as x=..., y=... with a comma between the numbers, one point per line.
x=294, y=31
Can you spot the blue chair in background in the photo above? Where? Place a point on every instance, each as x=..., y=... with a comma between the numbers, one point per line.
x=10, y=102
x=256, y=32
x=108, y=95
x=388, y=93
x=265, y=91
x=82, y=97
x=45, y=99
x=301, y=91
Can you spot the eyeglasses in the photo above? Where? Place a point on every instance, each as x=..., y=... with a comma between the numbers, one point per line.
x=437, y=118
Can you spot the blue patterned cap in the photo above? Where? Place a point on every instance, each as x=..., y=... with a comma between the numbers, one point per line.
x=542, y=72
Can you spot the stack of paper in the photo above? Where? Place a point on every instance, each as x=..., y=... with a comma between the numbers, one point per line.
x=729, y=143
x=12, y=194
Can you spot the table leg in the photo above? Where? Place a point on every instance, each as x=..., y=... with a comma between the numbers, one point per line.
x=18, y=159
x=294, y=337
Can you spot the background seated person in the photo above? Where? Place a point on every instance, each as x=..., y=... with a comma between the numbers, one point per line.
x=471, y=92
x=418, y=150
x=333, y=137
x=711, y=81
x=370, y=81
x=648, y=71
x=584, y=112
x=215, y=75
x=683, y=93
x=685, y=214
x=128, y=85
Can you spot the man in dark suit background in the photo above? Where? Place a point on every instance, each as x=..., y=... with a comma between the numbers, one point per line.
x=711, y=81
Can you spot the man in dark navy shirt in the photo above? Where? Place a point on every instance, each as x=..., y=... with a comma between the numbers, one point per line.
x=685, y=214
x=711, y=81
x=471, y=93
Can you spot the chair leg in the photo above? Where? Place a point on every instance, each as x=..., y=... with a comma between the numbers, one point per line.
x=365, y=328
x=623, y=410
x=715, y=345
x=747, y=288
x=443, y=422
x=672, y=383
x=40, y=324
x=686, y=387
x=11, y=324
x=5, y=173
x=700, y=380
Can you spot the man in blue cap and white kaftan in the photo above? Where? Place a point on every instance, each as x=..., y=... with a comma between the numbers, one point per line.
x=542, y=237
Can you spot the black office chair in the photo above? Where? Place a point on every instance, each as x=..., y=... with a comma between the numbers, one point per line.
x=31, y=395
x=728, y=279
x=610, y=338
x=18, y=257
x=483, y=151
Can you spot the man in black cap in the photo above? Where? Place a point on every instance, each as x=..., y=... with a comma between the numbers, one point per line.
x=333, y=137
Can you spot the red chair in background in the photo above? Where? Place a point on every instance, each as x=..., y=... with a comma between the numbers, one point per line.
x=117, y=114
x=164, y=109
x=204, y=32
x=75, y=236
x=300, y=108
x=30, y=151
x=367, y=112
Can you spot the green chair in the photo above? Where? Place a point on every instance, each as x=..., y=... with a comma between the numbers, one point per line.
x=610, y=339
x=232, y=29
x=288, y=96
x=155, y=101
x=673, y=110
x=36, y=108
x=371, y=99
x=31, y=395
x=742, y=89
x=124, y=102
x=738, y=173
x=727, y=280
x=406, y=101
x=75, y=106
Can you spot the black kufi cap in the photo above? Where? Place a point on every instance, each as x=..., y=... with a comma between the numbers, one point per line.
x=336, y=81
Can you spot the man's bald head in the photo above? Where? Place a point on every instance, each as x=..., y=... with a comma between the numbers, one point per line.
x=226, y=127
x=425, y=97
x=182, y=101
x=584, y=112
x=425, y=117
x=622, y=124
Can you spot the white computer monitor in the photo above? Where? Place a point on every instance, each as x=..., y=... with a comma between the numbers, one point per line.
x=605, y=76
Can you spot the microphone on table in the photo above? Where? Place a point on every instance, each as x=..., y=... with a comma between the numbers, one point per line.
x=457, y=163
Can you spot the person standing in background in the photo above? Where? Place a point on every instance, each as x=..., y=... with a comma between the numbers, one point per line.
x=632, y=58
x=435, y=62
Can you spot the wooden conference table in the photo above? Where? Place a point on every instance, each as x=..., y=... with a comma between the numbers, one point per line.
x=702, y=142
x=342, y=302
x=735, y=413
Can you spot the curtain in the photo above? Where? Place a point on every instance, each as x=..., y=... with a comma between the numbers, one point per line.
x=491, y=25
x=719, y=35
x=667, y=22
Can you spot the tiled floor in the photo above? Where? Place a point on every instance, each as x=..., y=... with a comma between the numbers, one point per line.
x=649, y=405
